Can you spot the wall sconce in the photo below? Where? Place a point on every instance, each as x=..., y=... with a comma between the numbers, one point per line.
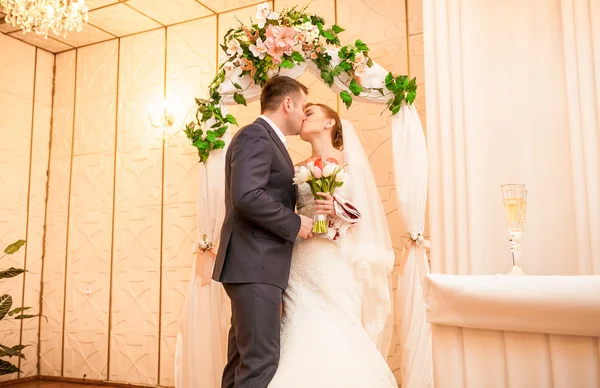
x=161, y=121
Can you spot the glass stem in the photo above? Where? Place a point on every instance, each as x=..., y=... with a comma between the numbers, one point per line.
x=515, y=248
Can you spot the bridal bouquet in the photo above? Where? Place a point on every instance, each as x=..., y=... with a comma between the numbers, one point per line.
x=323, y=176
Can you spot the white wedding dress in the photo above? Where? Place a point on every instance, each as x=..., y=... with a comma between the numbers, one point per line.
x=323, y=342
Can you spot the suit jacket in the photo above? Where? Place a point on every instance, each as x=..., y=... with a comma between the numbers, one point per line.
x=260, y=226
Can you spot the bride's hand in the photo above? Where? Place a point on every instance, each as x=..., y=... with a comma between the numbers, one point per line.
x=325, y=206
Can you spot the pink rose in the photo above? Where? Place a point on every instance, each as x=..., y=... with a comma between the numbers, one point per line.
x=280, y=40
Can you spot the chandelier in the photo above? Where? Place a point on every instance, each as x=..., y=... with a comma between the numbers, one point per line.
x=43, y=16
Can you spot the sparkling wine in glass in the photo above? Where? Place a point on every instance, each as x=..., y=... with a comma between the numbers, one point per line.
x=515, y=209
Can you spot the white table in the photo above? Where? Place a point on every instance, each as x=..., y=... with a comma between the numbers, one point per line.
x=514, y=331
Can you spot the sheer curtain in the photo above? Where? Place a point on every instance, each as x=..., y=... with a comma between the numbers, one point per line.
x=512, y=97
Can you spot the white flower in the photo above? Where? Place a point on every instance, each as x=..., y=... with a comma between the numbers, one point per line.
x=234, y=47
x=263, y=13
x=360, y=63
x=329, y=169
x=302, y=175
x=232, y=68
x=340, y=176
x=259, y=49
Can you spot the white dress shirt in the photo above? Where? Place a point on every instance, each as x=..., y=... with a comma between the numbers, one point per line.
x=276, y=129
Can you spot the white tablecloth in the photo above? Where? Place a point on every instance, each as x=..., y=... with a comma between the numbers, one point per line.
x=517, y=332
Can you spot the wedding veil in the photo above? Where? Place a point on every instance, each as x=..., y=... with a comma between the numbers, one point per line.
x=368, y=244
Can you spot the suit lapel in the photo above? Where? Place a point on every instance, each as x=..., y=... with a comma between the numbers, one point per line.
x=277, y=141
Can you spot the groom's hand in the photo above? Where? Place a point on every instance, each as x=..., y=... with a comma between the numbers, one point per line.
x=306, y=225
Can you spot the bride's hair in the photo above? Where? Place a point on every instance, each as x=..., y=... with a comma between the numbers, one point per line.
x=337, y=138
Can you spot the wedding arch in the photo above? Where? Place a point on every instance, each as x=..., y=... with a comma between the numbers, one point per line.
x=290, y=43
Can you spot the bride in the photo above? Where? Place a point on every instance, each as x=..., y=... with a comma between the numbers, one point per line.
x=336, y=324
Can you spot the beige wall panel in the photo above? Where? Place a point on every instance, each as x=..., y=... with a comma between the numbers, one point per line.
x=135, y=304
x=141, y=66
x=17, y=63
x=89, y=257
x=96, y=99
x=62, y=114
x=415, y=17
x=167, y=358
x=51, y=338
x=85, y=354
x=417, y=69
x=175, y=287
x=92, y=183
x=191, y=64
x=37, y=206
x=17, y=71
x=138, y=178
x=135, y=301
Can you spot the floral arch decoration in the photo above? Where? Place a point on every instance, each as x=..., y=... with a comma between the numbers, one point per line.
x=289, y=43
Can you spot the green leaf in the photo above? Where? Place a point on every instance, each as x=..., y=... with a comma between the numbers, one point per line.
x=7, y=368
x=207, y=114
x=219, y=144
x=15, y=351
x=239, y=98
x=211, y=137
x=5, y=304
x=412, y=85
x=200, y=144
x=337, y=29
x=395, y=109
x=355, y=88
x=327, y=77
x=11, y=273
x=25, y=316
x=346, y=98
x=380, y=90
x=296, y=56
x=389, y=79
x=231, y=120
x=287, y=64
x=14, y=247
x=221, y=131
x=410, y=98
x=237, y=86
x=328, y=35
x=17, y=310
x=346, y=66
x=215, y=125
x=343, y=53
x=360, y=46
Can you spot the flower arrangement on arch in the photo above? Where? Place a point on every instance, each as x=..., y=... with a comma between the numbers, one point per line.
x=276, y=41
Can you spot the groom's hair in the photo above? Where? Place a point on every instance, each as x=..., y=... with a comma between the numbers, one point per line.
x=276, y=89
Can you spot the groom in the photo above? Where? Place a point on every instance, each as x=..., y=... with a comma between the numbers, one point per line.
x=259, y=229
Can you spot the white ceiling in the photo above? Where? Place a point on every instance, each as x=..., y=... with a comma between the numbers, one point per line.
x=109, y=19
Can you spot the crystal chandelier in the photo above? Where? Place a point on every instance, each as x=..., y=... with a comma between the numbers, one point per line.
x=43, y=16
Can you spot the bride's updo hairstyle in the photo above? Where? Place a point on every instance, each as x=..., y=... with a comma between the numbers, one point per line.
x=337, y=138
